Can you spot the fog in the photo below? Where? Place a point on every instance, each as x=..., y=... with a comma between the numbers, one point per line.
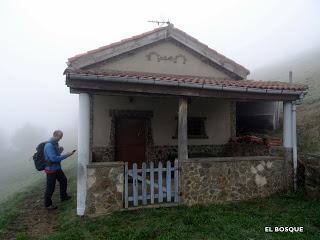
x=38, y=36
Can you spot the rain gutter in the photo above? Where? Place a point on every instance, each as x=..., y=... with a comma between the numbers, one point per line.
x=174, y=83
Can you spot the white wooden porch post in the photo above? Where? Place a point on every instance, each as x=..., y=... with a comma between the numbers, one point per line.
x=83, y=151
x=183, y=130
x=287, y=124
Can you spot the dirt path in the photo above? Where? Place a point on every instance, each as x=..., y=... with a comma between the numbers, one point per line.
x=33, y=219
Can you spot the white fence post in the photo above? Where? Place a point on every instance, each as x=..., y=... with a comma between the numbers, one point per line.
x=144, y=185
x=160, y=193
x=168, y=184
x=176, y=181
x=135, y=185
x=151, y=183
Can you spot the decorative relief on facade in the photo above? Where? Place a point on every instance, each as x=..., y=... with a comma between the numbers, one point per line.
x=180, y=58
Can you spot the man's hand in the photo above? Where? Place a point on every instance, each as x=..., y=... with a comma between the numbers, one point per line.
x=71, y=153
x=61, y=149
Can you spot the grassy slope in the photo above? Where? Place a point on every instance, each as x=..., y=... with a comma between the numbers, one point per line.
x=17, y=177
x=242, y=220
x=10, y=208
x=305, y=67
x=9, y=211
x=11, y=205
x=306, y=70
x=238, y=220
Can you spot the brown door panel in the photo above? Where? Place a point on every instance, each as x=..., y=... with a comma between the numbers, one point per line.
x=130, y=141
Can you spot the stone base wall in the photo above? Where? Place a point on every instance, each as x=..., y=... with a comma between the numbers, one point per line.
x=164, y=153
x=201, y=180
x=103, y=154
x=230, y=179
x=157, y=153
x=104, y=188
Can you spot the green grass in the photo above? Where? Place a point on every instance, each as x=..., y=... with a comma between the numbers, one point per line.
x=308, y=127
x=9, y=208
x=244, y=220
x=238, y=220
x=8, y=211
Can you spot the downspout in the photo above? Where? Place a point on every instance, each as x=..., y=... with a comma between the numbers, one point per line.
x=294, y=138
x=294, y=145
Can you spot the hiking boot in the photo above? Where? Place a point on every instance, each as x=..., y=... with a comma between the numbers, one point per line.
x=52, y=207
x=66, y=198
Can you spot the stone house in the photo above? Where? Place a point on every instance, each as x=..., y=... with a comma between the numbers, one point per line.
x=163, y=95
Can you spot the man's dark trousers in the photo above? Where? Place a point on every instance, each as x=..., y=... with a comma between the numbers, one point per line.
x=51, y=183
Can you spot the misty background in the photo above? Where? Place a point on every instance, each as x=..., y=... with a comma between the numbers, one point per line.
x=37, y=37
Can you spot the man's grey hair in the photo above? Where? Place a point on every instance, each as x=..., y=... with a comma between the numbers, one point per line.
x=57, y=133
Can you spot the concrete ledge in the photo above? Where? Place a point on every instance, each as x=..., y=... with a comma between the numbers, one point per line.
x=105, y=164
x=156, y=205
x=234, y=159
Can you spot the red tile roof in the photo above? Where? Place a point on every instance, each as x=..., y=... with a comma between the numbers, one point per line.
x=222, y=57
x=211, y=49
x=257, y=84
x=117, y=43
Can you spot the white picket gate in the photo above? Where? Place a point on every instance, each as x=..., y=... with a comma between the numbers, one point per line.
x=149, y=186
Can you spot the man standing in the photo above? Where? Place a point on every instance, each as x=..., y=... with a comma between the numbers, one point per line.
x=53, y=157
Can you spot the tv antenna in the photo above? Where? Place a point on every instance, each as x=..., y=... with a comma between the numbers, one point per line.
x=160, y=23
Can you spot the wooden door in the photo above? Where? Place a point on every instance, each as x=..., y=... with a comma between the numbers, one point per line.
x=130, y=141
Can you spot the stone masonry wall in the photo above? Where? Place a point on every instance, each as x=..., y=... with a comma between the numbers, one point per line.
x=201, y=180
x=104, y=188
x=229, y=179
x=164, y=153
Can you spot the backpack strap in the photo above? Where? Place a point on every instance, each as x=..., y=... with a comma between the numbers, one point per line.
x=48, y=162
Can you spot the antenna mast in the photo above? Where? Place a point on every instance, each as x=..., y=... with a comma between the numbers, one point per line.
x=160, y=23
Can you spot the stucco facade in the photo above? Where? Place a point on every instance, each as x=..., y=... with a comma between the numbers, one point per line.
x=218, y=115
x=163, y=57
x=163, y=122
